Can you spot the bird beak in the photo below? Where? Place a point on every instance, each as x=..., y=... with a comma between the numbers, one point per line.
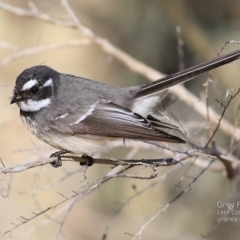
x=16, y=99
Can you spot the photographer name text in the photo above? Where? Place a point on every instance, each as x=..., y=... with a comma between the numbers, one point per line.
x=228, y=211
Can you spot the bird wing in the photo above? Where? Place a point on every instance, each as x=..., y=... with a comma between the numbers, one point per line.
x=104, y=118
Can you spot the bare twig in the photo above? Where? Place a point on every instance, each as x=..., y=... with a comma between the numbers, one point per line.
x=146, y=162
x=179, y=157
x=221, y=117
x=6, y=45
x=35, y=50
x=136, y=194
x=180, y=49
x=209, y=79
x=235, y=124
x=166, y=206
x=34, y=12
x=226, y=43
x=78, y=196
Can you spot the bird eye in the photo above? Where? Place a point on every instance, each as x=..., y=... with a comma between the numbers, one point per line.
x=35, y=90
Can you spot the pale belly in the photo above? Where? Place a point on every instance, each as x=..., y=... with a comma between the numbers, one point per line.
x=85, y=144
x=78, y=145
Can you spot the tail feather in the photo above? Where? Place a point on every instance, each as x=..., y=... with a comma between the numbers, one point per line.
x=161, y=124
x=186, y=75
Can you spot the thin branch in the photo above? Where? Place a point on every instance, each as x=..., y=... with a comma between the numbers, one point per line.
x=79, y=195
x=34, y=12
x=166, y=206
x=209, y=79
x=179, y=158
x=226, y=43
x=146, y=162
x=235, y=124
x=103, y=180
x=77, y=22
x=36, y=50
x=180, y=44
x=6, y=45
x=136, y=194
x=221, y=117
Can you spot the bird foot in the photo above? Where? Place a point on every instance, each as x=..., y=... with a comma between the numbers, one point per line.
x=58, y=162
x=89, y=162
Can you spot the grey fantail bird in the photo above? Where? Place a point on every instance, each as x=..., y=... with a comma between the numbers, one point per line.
x=85, y=117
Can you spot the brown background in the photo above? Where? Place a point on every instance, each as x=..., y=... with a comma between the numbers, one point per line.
x=145, y=30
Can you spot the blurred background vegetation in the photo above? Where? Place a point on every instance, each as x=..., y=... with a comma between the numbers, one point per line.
x=147, y=31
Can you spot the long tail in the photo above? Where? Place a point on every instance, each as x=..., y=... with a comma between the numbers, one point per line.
x=186, y=75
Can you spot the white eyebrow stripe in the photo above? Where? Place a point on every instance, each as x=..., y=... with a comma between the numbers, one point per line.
x=29, y=84
x=48, y=83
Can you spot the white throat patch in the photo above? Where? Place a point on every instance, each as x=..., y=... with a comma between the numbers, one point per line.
x=34, y=106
